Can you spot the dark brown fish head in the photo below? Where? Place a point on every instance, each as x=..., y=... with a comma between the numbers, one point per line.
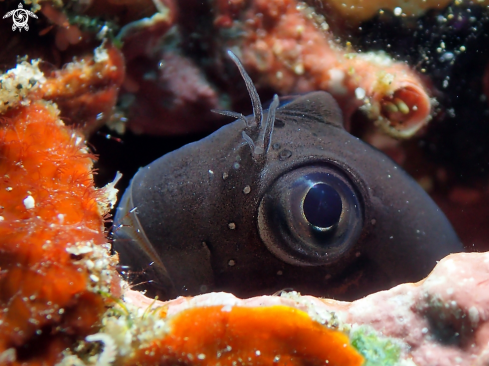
x=283, y=199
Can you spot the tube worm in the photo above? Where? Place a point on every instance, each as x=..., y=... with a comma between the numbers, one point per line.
x=293, y=51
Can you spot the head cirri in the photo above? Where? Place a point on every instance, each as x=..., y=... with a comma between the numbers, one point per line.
x=283, y=199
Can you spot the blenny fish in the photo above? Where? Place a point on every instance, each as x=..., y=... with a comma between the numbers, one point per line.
x=283, y=199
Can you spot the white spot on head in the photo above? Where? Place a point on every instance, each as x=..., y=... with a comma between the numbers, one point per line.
x=29, y=202
x=246, y=189
x=232, y=225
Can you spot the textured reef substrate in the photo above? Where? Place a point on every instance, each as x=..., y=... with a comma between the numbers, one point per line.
x=61, y=298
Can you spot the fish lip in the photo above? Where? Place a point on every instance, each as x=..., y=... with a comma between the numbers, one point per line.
x=132, y=244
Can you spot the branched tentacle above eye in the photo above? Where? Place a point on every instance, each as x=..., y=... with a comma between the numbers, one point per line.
x=234, y=115
x=265, y=130
x=255, y=98
x=268, y=130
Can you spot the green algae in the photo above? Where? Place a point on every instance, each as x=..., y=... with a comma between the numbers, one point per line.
x=377, y=350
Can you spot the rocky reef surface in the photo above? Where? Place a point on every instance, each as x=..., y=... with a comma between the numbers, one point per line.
x=441, y=320
x=158, y=67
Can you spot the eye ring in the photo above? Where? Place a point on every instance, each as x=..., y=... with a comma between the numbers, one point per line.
x=284, y=222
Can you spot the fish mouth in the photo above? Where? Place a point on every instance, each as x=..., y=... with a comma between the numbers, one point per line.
x=136, y=251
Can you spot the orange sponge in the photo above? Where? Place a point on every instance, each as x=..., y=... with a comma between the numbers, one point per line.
x=225, y=335
x=50, y=224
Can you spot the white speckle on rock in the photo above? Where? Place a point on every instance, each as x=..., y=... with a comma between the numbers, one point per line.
x=336, y=81
x=474, y=315
x=360, y=93
x=109, y=353
x=94, y=278
x=29, y=202
x=227, y=308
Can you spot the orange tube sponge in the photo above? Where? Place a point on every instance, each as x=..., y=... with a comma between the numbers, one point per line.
x=53, y=252
x=232, y=335
x=293, y=51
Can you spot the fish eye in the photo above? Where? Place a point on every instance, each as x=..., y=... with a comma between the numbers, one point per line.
x=311, y=215
x=322, y=206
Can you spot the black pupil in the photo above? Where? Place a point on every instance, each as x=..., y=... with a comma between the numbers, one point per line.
x=322, y=206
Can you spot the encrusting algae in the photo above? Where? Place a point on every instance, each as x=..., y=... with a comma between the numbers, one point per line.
x=60, y=296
